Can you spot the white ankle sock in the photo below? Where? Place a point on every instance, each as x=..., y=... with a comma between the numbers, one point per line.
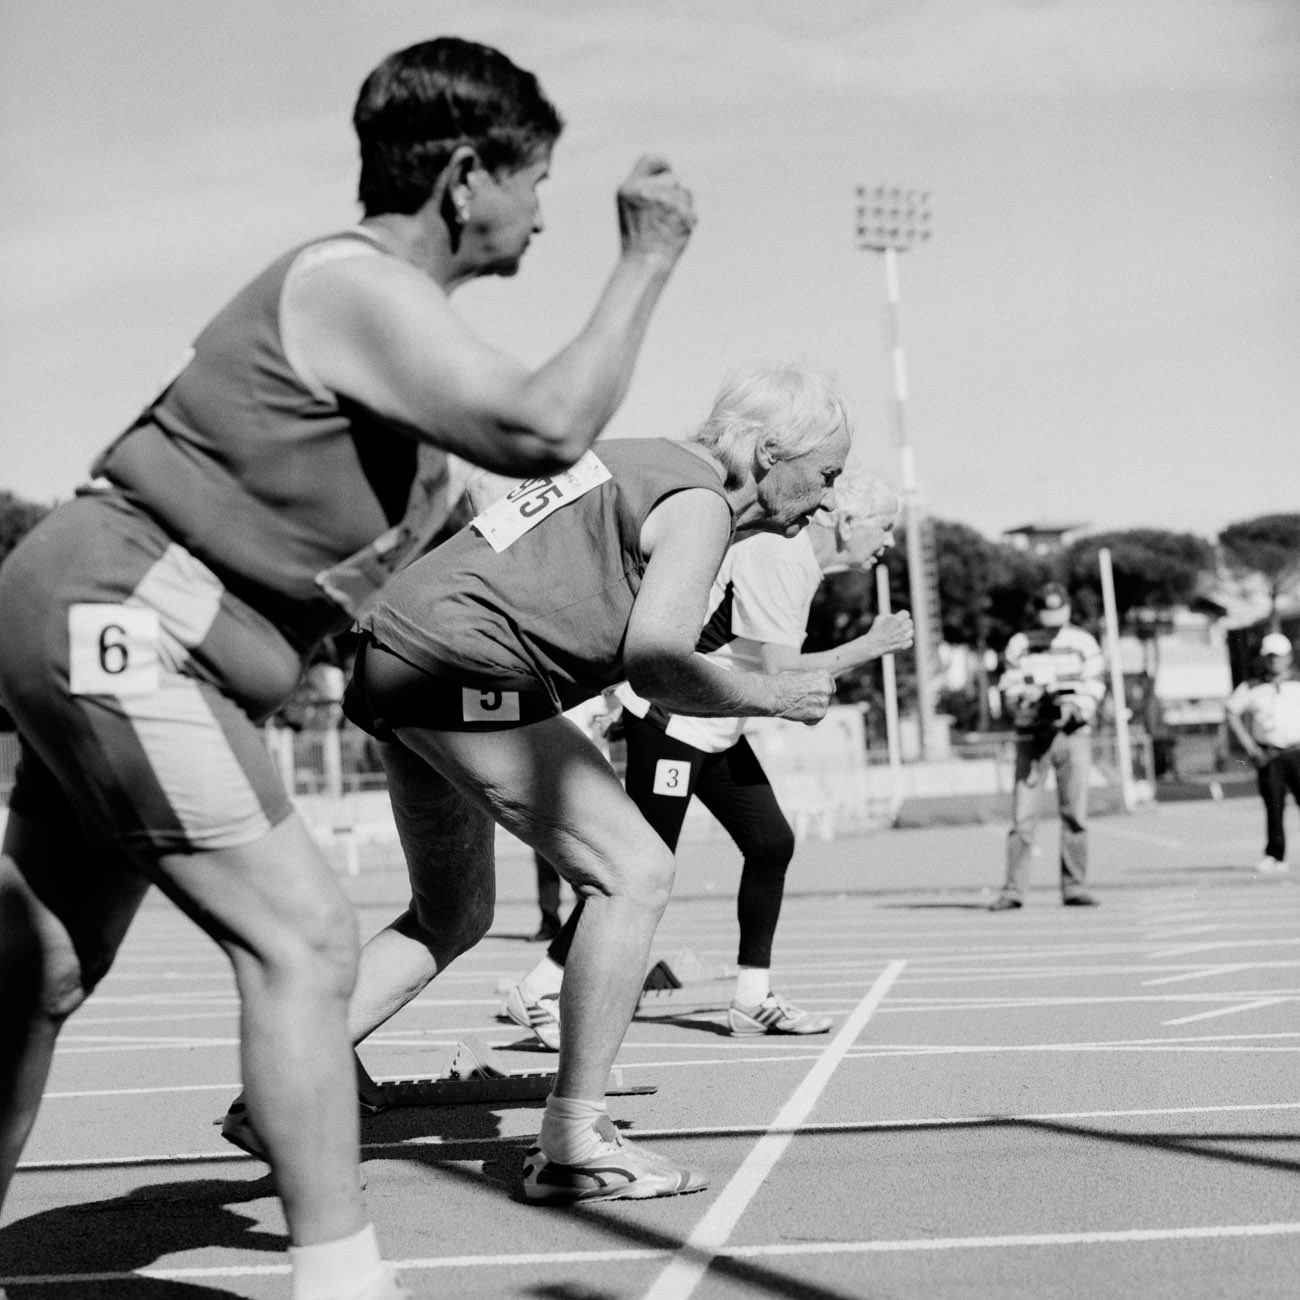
x=544, y=979
x=568, y=1129
x=753, y=984
x=333, y=1269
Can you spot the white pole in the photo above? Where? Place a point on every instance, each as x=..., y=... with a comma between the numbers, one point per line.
x=918, y=588
x=1125, y=752
x=891, y=699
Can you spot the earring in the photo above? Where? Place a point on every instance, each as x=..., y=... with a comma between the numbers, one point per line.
x=461, y=210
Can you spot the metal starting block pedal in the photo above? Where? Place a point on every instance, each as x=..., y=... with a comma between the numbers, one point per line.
x=681, y=982
x=475, y=1075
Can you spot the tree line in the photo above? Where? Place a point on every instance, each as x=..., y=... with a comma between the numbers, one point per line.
x=986, y=589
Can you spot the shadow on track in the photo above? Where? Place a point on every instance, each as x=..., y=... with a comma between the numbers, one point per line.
x=92, y=1244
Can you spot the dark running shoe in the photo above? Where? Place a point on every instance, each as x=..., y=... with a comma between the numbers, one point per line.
x=1079, y=898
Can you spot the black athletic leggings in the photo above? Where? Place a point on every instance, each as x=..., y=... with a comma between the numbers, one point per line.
x=662, y=775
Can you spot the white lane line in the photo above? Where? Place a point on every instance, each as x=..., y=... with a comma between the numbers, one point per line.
x=141, y=1092
x=536, y=1259
x=1187, y=949
x=689, y=1265
x=1227, y=1011
x=1200, y=973
x=1119, y=1237
x=1214, y=1042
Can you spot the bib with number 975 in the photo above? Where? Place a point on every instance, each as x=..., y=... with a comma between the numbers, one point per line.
x=525, y=506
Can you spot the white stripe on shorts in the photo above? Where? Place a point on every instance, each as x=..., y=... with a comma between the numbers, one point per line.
x=194, y=765
x=187, y=596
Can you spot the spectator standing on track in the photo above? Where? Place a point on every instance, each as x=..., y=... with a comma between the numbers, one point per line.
x=1053, y=683
x=294, y=461
x=758, y=614
x=565, y=587
x=1264, y=714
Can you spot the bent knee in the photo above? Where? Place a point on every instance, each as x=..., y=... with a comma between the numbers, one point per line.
x=641, y=874
x=318, y=950
x=448, y=932
x=774, y=854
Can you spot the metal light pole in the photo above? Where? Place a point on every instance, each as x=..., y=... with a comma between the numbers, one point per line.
x=890, y=221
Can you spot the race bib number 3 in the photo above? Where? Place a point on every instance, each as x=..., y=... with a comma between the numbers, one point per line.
x=524, y=507
x=112, y=650
x=672, y=778
x=489, y=706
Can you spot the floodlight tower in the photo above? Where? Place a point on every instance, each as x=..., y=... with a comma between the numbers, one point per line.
x=890, y=221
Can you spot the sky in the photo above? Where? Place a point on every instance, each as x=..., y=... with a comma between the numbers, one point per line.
x=1104, y=328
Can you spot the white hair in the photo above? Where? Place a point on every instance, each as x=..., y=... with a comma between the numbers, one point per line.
x=862, y=494
x=796, y=405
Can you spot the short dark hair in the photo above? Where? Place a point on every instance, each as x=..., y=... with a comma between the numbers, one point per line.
x=423, y=102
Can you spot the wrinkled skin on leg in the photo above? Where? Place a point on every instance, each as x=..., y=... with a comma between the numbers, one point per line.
x=548, y=785
x=276, y=910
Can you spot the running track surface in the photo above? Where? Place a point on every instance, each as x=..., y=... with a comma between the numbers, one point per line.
x=1052, y=1102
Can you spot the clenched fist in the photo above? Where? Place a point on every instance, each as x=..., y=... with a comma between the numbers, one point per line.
x=890, y=632
x=804, y=695
x=655, y=211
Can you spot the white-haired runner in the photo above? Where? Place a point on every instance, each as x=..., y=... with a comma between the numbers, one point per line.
x=758, y=613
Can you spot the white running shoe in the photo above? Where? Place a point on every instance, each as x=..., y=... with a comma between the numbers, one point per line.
x=619, y=1171
x=1271, y=867
x=542, y=1015
x=774, y=1015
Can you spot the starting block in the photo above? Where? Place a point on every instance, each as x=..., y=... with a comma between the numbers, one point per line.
x=681, y=982
x=475, y=1076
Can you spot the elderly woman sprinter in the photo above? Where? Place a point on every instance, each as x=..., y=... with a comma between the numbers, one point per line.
x=561, y=589
x=295, y=460
x=758, y=613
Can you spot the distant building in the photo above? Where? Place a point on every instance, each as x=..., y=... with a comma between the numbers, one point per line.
x=1045, y=536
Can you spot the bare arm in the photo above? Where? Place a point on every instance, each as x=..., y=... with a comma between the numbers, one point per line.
x=1254, y=750
x=889, y=633
x=382, y=333
x=685, y=538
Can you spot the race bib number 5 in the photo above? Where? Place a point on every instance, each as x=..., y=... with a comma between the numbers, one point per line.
x=489, y=706
x=524, y=507
x=112, y=650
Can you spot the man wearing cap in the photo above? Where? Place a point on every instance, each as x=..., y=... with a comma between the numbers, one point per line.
x=1053, y=684
x=1264, y=715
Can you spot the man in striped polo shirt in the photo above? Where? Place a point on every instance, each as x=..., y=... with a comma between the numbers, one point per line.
x=1053, y=684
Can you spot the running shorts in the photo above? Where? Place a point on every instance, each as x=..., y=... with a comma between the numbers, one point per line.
x=137, y=682
x=387, y=692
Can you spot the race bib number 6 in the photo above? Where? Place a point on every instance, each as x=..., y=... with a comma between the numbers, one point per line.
x=112, y=650
x=525, y=506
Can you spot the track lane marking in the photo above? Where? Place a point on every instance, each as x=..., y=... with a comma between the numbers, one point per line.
x=533, y=1259
x=689, y=1265
x=1228, y=1011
